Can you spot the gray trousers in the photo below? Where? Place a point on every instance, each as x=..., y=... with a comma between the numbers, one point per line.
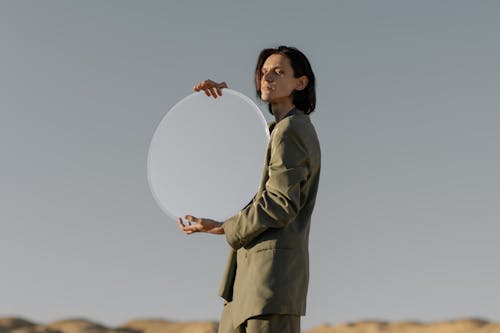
x=268, y=323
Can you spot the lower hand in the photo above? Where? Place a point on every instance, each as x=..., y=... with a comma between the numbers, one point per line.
x=196, y=224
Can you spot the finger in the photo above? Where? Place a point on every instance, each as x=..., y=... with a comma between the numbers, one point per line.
x=192, y=228
x=194, y=223
x=180, y=224
x=186, y=229
x=192, y=218
x=206, y=92
x=205, y=84
x=212, y=90
x=219, y=91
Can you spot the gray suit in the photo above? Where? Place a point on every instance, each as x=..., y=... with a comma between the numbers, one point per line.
x=268, y=266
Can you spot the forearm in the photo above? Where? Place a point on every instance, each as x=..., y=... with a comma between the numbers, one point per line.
x=272, y=210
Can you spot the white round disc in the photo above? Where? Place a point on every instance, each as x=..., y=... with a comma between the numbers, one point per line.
x=207, y=155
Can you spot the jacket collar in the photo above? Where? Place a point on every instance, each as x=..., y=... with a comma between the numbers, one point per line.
x=293, y=111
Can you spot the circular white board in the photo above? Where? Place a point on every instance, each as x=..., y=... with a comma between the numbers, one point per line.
x=207, y=155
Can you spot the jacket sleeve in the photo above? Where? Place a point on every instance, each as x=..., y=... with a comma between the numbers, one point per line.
x=280, y=201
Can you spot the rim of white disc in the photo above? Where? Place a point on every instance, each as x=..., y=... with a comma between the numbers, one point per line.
x=185, y=99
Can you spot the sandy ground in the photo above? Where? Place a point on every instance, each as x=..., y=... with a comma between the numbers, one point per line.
x=82, y=325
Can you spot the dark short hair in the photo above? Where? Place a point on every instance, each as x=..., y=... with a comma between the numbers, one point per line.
x=305, y=99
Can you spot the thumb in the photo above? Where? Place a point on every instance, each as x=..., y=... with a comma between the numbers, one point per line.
x=192, y=218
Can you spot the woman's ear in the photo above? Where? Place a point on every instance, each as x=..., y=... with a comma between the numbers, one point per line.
x=302, y=82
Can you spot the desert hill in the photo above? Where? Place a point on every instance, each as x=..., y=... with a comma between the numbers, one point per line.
x=82, y=325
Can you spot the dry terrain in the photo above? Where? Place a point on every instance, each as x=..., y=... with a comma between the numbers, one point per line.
x=82, y=325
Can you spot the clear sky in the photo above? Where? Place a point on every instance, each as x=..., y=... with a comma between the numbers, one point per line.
x=406, y=224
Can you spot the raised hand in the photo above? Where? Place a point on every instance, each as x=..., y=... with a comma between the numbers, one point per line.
x=210, y=87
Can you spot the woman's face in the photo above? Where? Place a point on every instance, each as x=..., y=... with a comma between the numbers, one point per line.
x=277, y=81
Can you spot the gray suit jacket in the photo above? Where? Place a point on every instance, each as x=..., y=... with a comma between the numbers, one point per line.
x=268, y=265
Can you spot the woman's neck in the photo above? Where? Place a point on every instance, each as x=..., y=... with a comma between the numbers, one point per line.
x=281, y=109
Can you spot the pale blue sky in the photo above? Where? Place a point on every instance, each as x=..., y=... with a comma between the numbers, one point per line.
x=406, y=224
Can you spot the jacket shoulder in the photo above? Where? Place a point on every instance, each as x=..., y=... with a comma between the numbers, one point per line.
x=295, y=125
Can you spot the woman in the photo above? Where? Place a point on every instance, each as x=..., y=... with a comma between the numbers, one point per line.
x=267, y=274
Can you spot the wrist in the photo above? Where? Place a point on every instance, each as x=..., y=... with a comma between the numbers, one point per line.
x=220, y=228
